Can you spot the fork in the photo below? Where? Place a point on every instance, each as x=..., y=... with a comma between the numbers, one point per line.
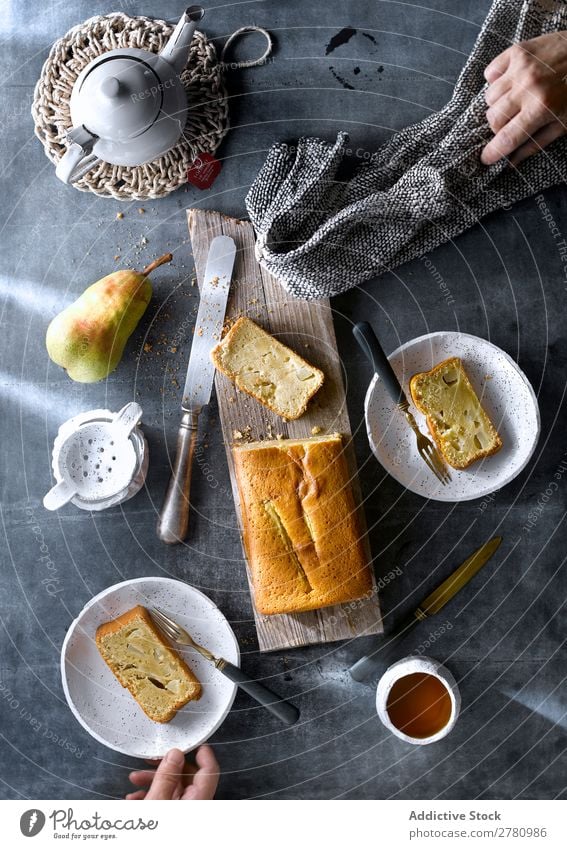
x=368, y=341
x=285, y=711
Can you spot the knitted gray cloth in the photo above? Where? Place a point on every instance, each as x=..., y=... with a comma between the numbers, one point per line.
x=321, y=236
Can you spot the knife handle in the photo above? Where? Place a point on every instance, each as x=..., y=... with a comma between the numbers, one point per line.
x=285, y=711
x=368, y=341
x=173, y=519
x=386, y=653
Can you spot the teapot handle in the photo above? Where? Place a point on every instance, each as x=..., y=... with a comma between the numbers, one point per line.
x=78, y=158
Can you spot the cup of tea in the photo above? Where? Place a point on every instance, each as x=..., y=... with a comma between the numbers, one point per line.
x=418, y=700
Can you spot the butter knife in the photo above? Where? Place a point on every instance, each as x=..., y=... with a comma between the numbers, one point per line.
x=378, y=661
x=173, y=520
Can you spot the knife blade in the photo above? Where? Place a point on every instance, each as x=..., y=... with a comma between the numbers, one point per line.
x=430, y=606
x=209, y=322
x=173, y=520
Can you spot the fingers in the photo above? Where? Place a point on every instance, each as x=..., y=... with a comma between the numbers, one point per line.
x=517, y=131
x=142, y=777
x=205, y=758
x=168, y=776
x=503, y=111
x=540, y=140
x=206, y=779
x=497, y=90
x=497, y=67
x=139, y=794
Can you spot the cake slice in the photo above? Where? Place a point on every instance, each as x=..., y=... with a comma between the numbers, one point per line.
x=267, y=369
x=144, y=663
x=300, y=524
x=455, y=417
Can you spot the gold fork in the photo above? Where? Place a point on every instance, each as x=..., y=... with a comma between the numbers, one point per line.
x=368, y=341
x=285, y=711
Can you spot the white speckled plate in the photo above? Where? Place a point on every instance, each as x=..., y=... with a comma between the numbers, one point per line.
x=107, y=710
x=505, y=392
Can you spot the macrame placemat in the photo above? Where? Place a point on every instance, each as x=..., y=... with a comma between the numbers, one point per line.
x=207, y=121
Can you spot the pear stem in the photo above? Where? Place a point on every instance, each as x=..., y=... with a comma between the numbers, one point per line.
x=156, y=263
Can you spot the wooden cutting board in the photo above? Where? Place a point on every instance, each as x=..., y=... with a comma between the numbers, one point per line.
x=307, y=327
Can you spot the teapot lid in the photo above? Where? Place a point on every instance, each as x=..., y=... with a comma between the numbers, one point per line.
x=119, y=98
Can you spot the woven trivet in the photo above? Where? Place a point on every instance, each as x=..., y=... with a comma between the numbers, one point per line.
x=207, y=121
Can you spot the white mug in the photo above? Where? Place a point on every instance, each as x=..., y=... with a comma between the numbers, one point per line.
x=418, y=700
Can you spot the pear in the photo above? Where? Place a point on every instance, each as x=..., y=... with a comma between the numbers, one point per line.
x=88, y=337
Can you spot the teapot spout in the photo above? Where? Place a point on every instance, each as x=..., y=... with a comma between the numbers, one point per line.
x=176, y=51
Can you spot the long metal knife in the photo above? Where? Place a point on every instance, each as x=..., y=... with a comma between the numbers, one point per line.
x=378, y=661
x=174, y=517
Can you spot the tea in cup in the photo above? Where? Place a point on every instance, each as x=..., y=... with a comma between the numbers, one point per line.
x=418, y=700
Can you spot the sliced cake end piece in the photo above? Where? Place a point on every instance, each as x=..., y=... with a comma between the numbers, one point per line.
x=145, y=663
x=267, y=369
x=455, y=417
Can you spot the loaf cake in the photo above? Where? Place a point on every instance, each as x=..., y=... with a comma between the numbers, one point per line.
x=145, y=663
x=267, y=369
x=300, y=526
x=455, y=417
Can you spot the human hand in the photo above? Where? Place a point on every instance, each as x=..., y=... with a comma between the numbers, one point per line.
x=176, y=779
x=526, y=98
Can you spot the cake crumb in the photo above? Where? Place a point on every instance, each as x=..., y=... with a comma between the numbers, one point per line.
x=315, y=430
x=245, y=434
x=119, y=216
x=227, y=326
x=141, y=210
x=147, y=347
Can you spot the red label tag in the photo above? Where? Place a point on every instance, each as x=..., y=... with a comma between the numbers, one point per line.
x=204, y=170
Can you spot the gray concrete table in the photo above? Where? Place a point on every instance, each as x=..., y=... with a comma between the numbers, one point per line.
x=505, y=280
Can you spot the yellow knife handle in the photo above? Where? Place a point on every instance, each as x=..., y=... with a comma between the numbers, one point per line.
x=461, y=576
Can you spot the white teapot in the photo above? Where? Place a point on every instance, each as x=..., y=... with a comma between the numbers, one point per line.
x=129, y=106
